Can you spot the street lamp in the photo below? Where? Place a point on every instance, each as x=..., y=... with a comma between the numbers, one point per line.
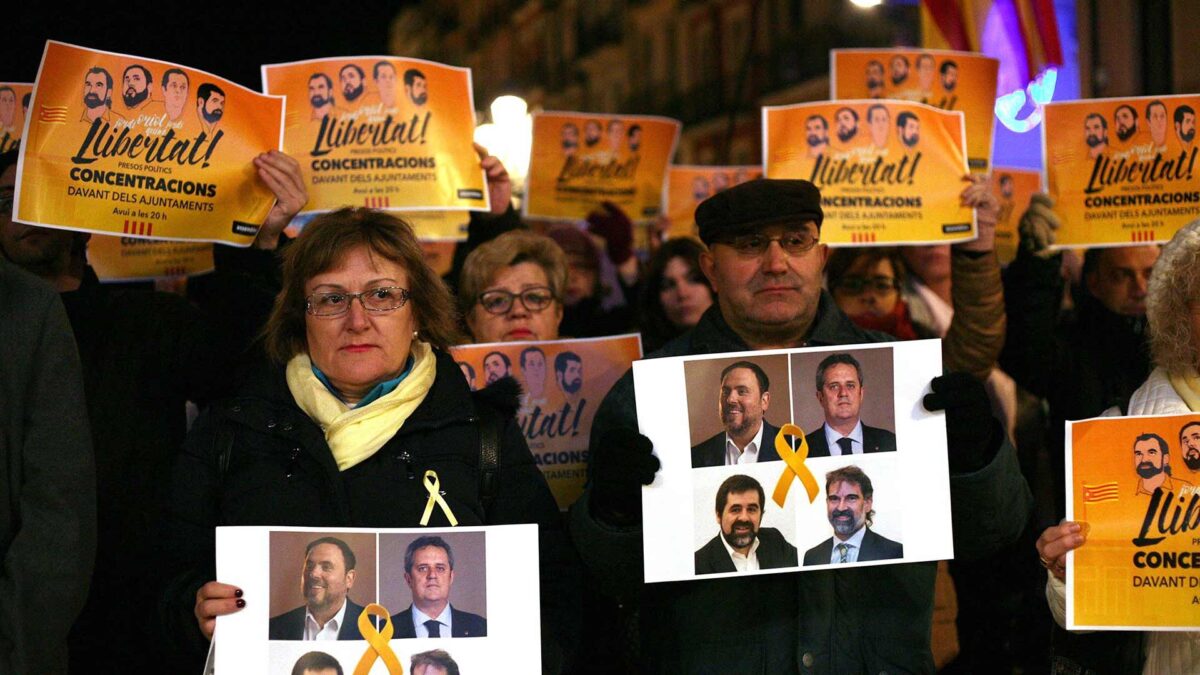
x=509, y=136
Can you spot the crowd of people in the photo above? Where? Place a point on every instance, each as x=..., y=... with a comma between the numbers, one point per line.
x=325, y=393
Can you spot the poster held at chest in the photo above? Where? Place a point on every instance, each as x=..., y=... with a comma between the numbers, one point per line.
x=1122, y=171
x=580, y=160
x=125, y=145
x=792, y=460
x=948, y=80
x=890, y=172
x=382, y=132
x=380, y=601
x=1133, y=481
x=563, y=382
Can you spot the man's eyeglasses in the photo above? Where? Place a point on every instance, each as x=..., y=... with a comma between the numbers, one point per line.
x=336, y=303
x=859, y=285
x=499, y=302
x=795, y=242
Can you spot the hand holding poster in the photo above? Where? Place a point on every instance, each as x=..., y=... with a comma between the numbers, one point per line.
x=563, y=383
x=397, y=594
x=889, y=172
x=14, y=108
x=1122, y=170
x=580, y=160
x=382, y=132
x=687, y=186
x=947, y=80
x=1133, y=480
x=118, y=144
x=1014, y=188
x=859, y=477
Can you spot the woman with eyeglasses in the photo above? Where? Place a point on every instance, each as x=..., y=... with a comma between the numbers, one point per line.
x=865, y=283
x=360, y=414
x=511, y=288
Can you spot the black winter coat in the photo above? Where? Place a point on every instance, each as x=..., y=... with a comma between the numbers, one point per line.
x=257, y=459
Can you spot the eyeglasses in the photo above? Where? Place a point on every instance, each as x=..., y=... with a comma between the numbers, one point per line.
x=499, y=302
x=336, y=303
x=859, y=285
x=795, y=242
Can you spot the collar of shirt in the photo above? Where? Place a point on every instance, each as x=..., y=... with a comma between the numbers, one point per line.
x=743, y=563
x=1169, y=484
x=832, y=436
x=750, y=454
x=419, y=619
x=854, y=542
x=312, y=631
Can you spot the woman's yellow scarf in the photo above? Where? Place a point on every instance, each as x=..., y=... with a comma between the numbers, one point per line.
x=355, y=434
x=1188, y=388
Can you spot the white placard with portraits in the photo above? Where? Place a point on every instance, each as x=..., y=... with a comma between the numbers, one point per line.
x=890, y=492
x=284, y=572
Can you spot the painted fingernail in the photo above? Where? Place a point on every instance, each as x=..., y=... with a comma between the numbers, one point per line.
x=241, y=603
x=237, y=593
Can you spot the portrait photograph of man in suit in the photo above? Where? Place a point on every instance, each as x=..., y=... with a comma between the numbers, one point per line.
x=842, y=396
x=742, y=543
x=327, y=576
x=430, y=575
x=849, y=503
x=744, y=396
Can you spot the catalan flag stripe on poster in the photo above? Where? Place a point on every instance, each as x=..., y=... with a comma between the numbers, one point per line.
x=1103, y=492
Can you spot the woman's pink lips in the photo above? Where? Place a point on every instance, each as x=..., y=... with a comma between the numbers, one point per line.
x=520, y=333
x=356, y=349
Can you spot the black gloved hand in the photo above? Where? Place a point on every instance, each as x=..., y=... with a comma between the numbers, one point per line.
x=973, y=435
x=622, y=464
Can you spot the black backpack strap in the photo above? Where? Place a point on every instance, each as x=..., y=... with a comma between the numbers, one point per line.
x=489, y=453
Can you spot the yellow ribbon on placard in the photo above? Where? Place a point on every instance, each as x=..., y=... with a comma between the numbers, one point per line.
x=377, y=642
x=433, y=487
x=795, y=465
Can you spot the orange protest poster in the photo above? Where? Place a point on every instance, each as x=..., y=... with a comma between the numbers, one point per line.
x=14, y=108
x=1122, y=170
x=563, y=383
x=133, y=259
x=580, y=160
x=381, y=131
x=687, y=186
x=947, y=80
x=890, y=172
x=1014, y=188
x=1133, y=480
x=448, y=226
x=119, y=144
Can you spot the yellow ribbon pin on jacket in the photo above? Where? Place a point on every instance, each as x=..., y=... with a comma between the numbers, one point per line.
x=434, y=487
x=795, y=465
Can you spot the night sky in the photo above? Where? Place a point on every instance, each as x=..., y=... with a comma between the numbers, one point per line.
x=227, y=39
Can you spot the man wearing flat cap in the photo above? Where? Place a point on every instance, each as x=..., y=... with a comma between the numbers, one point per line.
x=765, y=262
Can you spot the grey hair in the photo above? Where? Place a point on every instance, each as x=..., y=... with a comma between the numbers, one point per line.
x=1174, y=288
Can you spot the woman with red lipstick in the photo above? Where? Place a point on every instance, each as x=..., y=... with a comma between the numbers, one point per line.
x=361, y=404
x=512, y=287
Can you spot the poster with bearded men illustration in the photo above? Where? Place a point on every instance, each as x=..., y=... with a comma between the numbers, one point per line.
x=793, y=460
